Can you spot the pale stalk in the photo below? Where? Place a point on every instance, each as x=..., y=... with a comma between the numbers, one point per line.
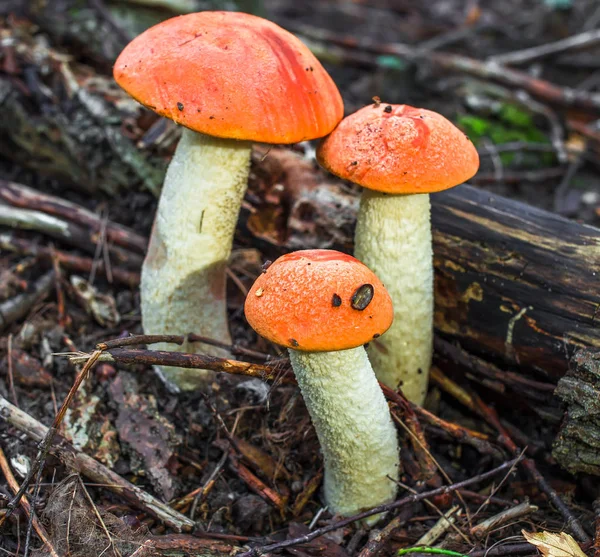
x=183, y=276
x=354, y=427
x=393, y=238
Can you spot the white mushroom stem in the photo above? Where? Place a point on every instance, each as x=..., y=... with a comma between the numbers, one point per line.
x=183, y=276
x=354, y=426
x=393, y=238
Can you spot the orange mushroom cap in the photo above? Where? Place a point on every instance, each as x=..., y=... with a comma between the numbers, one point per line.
x=399, y=149
x=319, y=300
x=231, y=75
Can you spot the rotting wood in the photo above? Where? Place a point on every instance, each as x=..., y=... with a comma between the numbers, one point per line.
x=577, y=446
x=514, y=284
x=517, y=283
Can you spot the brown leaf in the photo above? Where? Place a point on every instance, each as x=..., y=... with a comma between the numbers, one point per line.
x=554, y=545
x=149, y=438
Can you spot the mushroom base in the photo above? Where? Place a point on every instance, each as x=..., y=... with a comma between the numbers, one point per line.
x=393, y=238
x=183, y=276
x=354, y=427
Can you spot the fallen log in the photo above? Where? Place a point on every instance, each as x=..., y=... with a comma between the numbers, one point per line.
x=516, y=285
x=513, y=282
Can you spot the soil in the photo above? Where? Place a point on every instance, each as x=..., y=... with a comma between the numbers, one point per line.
x=267, y=486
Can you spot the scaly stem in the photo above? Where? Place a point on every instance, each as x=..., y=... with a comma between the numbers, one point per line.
x=354, y=426
x=393, y=238
x=183, y=276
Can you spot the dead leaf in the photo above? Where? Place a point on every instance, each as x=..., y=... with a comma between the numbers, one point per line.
x=147, y=437
x=101, y=307
x=554, y=545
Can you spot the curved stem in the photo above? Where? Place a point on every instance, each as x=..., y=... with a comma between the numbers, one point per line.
x=354, y=426
x=183, y=276
x=393, y=238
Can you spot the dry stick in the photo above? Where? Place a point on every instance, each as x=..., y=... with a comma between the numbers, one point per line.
x=47, y=441
x=14, y=486
x=473, y=402
x=25, y=197
x=257, y=551
x=531, y=468
x=19, y=306
x=9, y=365
x=189, y=361
x=491, y=70
x=178, y=339
x=60, y=296
x=67, y=260
x=376, y=543
x=587, y=39
x=482, y=367
x=477, y=440
x=95, y=471
x=72, y=234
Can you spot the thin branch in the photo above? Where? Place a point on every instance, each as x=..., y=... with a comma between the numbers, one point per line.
x=258, y=551
x=580, y=41
x=14, y=486
x=93, y=470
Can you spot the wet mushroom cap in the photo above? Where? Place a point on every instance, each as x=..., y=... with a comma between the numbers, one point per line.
x=399, y=149
x=231, y=75
x=319, y=300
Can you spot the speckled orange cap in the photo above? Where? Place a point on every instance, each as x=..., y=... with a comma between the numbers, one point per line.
x=399, y=149
x=231, y=75
x=319, y=300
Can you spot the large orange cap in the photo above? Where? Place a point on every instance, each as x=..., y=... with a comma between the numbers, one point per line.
x=319, y=300
x=399, y=149
x=232, y=75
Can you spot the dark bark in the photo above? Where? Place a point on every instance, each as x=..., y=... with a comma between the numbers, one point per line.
x=516, y=285
x=514, y=282
x=577, y=447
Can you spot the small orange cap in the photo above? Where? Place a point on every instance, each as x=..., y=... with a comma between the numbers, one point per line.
x=399, y=149
x=231, y=75
x=319, y=300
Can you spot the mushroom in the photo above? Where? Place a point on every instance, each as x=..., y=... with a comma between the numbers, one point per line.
x=229, y=79
x=400, y=154
x=323, y=306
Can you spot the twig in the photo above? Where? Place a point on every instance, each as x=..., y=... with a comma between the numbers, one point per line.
x=14, y=486
x=44, y=446
x=64, y=231
x=588, y=39
x=9, y=365
x=474, y=403
x=483, y=528
x=258, y=551
x=189, y=361
x=19, y=306
x=531, y=468
x=376, y=543
x=135, y=340
x=67, y=260
x=60, y=296
x=482, y=367
x=92, y=469
x=24, y=197
x=489, y=69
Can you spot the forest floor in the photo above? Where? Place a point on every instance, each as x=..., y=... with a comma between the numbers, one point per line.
x=238, y=468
